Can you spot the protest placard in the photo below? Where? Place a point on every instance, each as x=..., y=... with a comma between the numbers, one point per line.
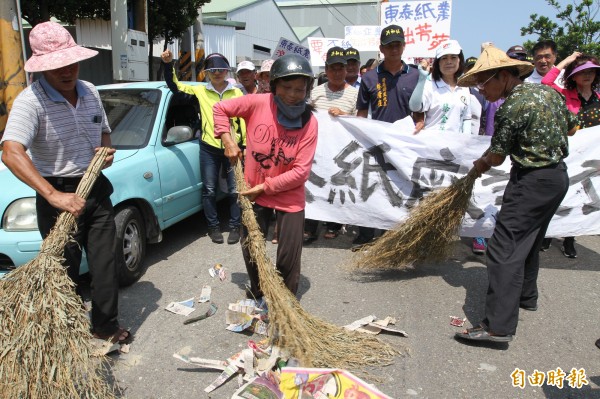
x=319, y=45
x=363, y=37
x=286, y=46
x=426, y=24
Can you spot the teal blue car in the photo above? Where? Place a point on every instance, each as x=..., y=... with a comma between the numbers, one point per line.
x=155, y=174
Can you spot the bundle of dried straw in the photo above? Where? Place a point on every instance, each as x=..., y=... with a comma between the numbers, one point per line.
x=427, y=233
x=45, y=338
x=314, y=342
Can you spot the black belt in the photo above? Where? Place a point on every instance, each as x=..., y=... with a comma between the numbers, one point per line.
x=63, y=181
x=560, y=165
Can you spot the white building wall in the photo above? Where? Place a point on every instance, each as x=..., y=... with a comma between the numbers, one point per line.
x=220, y=39
x=265, y=24
x=97, y=33
x=332, y=18
x=93, y=33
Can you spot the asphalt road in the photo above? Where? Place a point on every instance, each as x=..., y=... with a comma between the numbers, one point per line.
x=560, y=334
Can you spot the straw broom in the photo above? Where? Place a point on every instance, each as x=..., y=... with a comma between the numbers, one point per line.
x=45, y=339
x=314, y=342
x=427, y=233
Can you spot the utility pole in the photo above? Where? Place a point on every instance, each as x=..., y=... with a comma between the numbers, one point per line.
x=12, y=58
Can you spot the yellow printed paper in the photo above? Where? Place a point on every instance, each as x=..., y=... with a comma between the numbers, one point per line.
x=307, y=383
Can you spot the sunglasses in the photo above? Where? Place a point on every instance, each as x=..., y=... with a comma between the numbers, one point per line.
x=218, y=70
x=480, y=86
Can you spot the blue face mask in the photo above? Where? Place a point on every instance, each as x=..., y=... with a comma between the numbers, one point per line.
x=290, y=116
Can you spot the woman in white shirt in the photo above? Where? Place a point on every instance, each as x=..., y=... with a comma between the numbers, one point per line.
x=447, y=107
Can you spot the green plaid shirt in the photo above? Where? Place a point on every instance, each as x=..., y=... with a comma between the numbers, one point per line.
x=531, y=126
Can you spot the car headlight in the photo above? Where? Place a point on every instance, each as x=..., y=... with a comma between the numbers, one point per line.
x=20, y=215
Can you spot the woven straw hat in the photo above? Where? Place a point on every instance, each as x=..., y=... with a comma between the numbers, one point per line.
x=492, y=58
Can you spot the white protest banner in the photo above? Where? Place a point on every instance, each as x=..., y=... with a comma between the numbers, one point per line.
x=426, y=24
x=363, y=37
x=319, y=46
x=370, y=173
x=286, y=46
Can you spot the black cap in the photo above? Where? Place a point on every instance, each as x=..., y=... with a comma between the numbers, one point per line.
x=335, y=55
x=470, y=61
x=391, y=33
x=517, y=50
x=352, y=54
x=216, y=61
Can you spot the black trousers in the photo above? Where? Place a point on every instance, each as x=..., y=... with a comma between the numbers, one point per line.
x=95, y=233
x=531, y=198
x=311, y=226
x=290, y=230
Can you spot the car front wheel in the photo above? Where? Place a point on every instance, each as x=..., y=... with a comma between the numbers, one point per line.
x=131, y=245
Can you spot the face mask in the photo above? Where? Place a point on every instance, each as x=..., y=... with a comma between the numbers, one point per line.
x=290, y=116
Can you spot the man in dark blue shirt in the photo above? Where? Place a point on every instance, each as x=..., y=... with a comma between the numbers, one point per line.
x=386, y=91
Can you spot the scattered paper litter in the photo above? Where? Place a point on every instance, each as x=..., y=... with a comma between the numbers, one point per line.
x=183, y=308
x=218, y=271
x=102, y=347
x=235, y=363
x=205, y=363
x=205, y=294
x=256, y=361
x=247, y=314
x=212, y=309
x=457, y=321
x=259, y=387
x=325, y=383
x=371, y=325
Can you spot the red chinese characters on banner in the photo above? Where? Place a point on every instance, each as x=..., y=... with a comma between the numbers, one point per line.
x=316, y=46
x=426, y=24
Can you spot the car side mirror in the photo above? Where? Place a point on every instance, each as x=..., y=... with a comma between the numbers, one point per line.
x=178, y=134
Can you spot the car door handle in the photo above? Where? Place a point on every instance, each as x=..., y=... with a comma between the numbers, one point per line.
x=148, y=175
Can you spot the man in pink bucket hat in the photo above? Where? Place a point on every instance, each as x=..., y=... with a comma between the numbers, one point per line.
x=61, y=121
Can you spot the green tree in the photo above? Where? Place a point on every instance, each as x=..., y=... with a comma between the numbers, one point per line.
x=170, y=19
x=36, y=11
x=576, y=27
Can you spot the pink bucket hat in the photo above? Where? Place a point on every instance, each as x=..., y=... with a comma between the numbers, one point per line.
x=53, y=47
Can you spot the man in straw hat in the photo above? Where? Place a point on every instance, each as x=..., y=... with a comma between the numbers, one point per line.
x=531, y=127
x=61, y=121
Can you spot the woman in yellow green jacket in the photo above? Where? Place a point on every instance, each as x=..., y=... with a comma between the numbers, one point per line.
x=212, y=153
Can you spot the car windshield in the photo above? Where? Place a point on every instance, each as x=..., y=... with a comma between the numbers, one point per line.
x=131, y=114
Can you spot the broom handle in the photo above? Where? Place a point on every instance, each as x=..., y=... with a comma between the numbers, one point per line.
x=66, y=220
x=473, y=173
x=245, y=204
x=91, y=174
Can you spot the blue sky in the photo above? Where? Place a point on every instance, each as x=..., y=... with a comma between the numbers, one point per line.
x=500, y=22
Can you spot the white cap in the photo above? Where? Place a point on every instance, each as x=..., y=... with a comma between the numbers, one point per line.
x=246, y=65
x=448, y=47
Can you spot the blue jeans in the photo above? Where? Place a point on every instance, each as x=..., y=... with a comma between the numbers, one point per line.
x=211, y=163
